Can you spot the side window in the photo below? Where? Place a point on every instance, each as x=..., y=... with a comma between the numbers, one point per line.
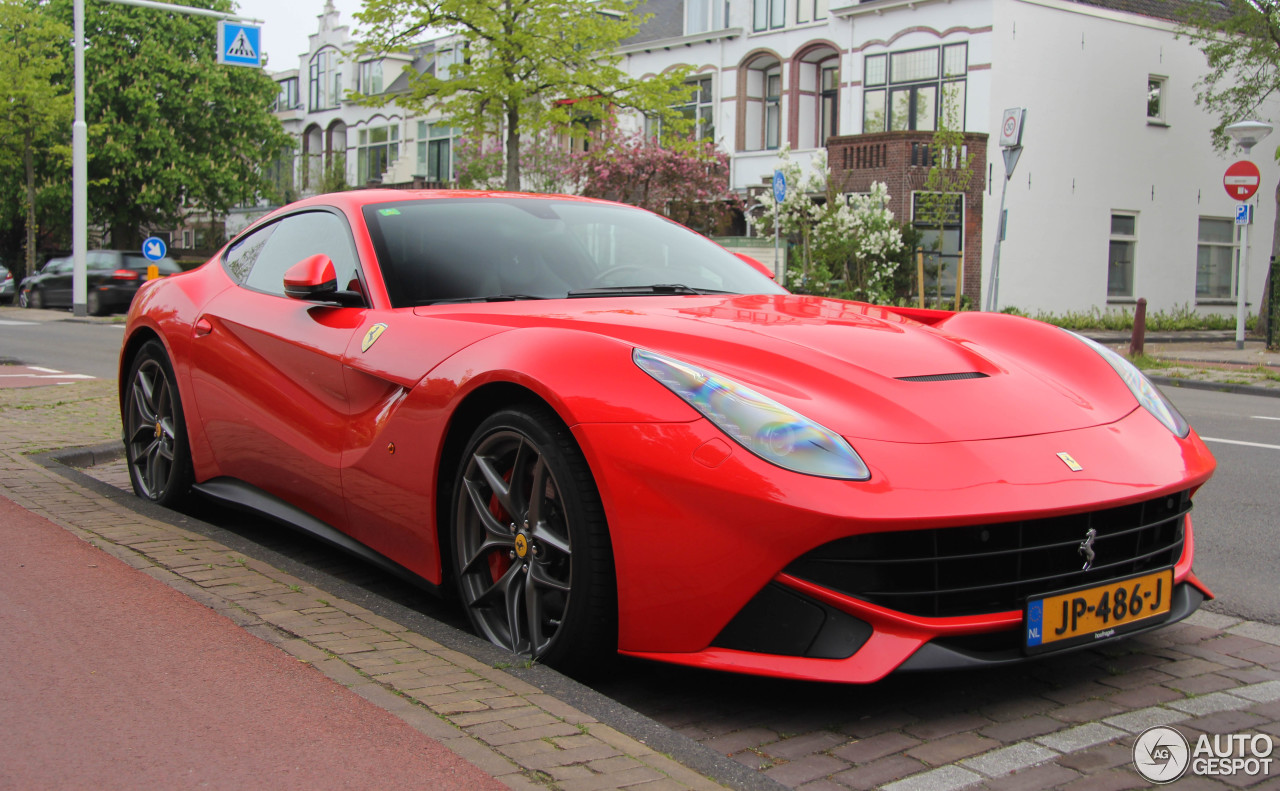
x=260, y=259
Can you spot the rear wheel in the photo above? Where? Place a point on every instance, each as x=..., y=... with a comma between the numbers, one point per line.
x=35, y=299
x=93, y=304
x=531, y=551
x=155, y=432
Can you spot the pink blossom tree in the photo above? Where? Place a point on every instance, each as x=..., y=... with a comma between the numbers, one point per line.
x=687, y=181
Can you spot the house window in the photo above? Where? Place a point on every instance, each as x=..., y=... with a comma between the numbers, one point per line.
x=773, y=109
x=699, y=110
x=828, y=109
x=325, y=80
x=810, y=11
x=941, y=226
x=909, y=90
x=446, y=59
x=1156, y=99
x=435, y=151
x=288, y=98
x=1120, y=257
x=704, y=15
x=1215, y=259
x=770, y=14
x=377, y=150
x=370, y=77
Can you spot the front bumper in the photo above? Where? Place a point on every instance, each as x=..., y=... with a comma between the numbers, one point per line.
x=701, y=528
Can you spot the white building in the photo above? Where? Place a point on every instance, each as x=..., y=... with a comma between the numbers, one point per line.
x=1118, y=194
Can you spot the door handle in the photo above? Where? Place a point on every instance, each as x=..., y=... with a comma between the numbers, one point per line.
x=203, y=327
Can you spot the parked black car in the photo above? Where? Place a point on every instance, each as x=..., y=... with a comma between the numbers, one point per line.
x=6, y=286
x=112, y=278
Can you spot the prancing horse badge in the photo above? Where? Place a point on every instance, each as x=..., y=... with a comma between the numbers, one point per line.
x=1066, y=457
x=371, y=337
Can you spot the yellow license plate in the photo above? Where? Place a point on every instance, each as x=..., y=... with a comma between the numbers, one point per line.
x=1097, y=612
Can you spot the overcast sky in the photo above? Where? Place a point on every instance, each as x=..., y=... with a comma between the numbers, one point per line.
x=289, y=22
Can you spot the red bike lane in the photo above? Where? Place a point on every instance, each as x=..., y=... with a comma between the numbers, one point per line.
x=110, y=679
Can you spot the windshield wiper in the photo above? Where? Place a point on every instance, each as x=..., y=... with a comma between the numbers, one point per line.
x=641, y=291
x=490, y=298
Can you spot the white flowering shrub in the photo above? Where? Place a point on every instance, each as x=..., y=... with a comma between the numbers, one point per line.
x=846, y=246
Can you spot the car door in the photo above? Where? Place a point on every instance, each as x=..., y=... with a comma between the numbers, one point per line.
x=55, y=282
x=267, y=370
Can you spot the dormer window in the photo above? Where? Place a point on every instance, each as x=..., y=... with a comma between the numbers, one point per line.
x=702, y=16
x=369, y=78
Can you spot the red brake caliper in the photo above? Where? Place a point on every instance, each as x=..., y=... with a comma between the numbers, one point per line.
x=499, y=560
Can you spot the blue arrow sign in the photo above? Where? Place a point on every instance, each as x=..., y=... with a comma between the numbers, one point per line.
x=779, y=186
x=239, y=45
x=153, y=248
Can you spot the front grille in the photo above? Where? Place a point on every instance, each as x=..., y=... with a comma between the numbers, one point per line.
x=993, y=568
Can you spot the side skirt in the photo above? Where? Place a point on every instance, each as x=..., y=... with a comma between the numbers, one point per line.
x=245, y=497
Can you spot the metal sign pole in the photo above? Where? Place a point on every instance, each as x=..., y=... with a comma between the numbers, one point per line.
x=80, y=146
x=1242, y=284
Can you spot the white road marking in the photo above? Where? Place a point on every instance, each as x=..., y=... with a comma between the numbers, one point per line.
x=11, y=323
x=43, y=370
x=1240, y=442
x=1264, y=417
x=46, y=376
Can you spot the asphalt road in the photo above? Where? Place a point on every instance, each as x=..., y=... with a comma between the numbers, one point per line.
x=1237, y=513
x=53, y=340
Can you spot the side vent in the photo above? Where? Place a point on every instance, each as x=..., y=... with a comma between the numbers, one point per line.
x=943, y=377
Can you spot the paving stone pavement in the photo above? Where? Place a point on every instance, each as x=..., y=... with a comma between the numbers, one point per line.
x=509, y=728
x=1068, y=722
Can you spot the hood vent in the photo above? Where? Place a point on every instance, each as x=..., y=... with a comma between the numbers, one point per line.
x=943, y=377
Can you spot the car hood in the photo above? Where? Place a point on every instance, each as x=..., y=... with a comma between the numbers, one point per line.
x=858, y=369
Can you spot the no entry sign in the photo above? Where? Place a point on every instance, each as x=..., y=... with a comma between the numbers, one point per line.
x=1241, y=180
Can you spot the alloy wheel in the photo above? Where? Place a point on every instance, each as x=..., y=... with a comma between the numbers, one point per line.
x=151, y=430
x=514, y=556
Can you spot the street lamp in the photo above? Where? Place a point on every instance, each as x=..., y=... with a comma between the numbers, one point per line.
x=1247, y=134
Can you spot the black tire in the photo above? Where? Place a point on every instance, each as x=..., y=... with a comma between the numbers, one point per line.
x=535, y=574
x=155, y=430
x=35, y=299
x=93, y=304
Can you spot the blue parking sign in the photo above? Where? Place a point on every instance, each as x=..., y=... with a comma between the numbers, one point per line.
x=1244, y=214
x=239, y=45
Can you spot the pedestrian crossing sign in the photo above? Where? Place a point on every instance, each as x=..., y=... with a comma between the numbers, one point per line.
x=239, y=45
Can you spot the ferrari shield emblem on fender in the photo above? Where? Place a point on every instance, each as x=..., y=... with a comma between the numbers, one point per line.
x=1066, y=457
x=371, y=337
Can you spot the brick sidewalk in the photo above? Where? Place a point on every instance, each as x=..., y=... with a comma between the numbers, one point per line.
x=511, y=729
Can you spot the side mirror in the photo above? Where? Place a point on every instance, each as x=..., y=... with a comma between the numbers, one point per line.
x=311, y=278
x=756, y=265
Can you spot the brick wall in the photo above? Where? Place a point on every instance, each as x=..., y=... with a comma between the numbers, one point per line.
x=901, y=160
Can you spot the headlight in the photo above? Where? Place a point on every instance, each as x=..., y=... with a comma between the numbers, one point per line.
x=1146, y=393
x=768, y=429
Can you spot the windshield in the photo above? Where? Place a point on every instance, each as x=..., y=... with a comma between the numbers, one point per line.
x=457, y=249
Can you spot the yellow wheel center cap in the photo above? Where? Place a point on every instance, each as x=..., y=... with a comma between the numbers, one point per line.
x=522, y=545
x=159, y=430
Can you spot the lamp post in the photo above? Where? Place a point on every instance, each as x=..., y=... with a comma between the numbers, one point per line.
x=1247, y=134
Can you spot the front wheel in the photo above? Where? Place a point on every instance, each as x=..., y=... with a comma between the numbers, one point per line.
x=155, y=431
x=530, y=546
x=35, y=299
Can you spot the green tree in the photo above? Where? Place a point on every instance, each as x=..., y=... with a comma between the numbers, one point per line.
x=170, y=130
x=35, y=114
x=528, y=66
x=1240, y=40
